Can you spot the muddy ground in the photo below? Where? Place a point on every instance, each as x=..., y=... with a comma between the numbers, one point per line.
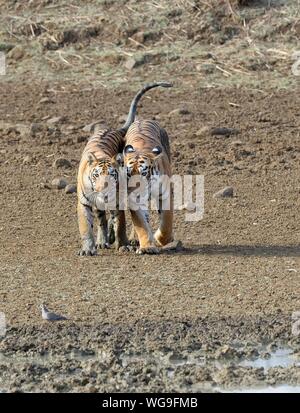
x=179, y=321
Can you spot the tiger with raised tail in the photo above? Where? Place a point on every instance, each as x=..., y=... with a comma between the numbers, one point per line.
x=98, y=181
x=147, y=154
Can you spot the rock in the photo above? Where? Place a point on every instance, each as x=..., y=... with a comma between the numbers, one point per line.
x=134, y=62
x=154, y=58
x=206, y=68
x=225, y=352
x=59, y=183
x=236, y=143
x=71, y=127
x=203, y=131
x=139, y=37
x=20, y=128
x=56, y=119
x=62, y=163
x=17, y=53
x=46, y=100
x=70, y=189
x=112, y=58
x=226, y=192
x=131, y=63
x=223, y=131
x=27, y=159
x=6, y=47
x=191, y=145
x=36, y=128
x=179, y=111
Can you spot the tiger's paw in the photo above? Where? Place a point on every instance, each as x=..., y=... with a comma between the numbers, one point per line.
x=127, y=248
x=148, y=250
x=103, y=246
x=87, y=252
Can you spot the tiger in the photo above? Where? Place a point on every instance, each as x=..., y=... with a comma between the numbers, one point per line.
x=100, y=163
x=147, y=154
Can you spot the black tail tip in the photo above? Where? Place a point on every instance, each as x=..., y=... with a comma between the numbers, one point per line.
x=156, y=84
x=165, y=84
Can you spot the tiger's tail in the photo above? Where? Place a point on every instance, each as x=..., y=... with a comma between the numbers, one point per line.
x=135, y=101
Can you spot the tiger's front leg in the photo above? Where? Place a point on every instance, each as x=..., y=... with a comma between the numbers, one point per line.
x=133, y=238
x=164, y=234
x=119, y=227
x=140, y=221
x=102, y=234
x=85, y=223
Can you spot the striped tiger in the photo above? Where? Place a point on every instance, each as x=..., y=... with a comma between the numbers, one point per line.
x=147, y=154
x=100, y=162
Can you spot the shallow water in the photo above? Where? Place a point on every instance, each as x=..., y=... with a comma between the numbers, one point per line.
x=282, y=357
x=282, y=388
x=172, y=363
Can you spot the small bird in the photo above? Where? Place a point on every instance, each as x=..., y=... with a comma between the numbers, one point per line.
x=49, y=316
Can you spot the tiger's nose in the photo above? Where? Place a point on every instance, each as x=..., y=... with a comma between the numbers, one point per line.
x=101, y=183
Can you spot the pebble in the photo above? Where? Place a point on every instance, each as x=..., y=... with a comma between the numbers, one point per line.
x=179, y=111
x=16, y=53
x=131, y=63
x=139, y=37
x=62, y=163
x=46, y=100
x=226, y=192
x=70, y=189
x=59, y=183
x=206, y=68
x=236, y=143
x=203, y=131
x=35, y=128
x=27, y=159
x=56, y=119
x=223, y=131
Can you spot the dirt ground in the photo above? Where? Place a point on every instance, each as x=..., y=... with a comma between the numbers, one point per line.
x=142, y=323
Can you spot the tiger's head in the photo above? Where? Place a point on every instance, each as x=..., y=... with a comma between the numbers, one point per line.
x=103, y=177
x=141, y=163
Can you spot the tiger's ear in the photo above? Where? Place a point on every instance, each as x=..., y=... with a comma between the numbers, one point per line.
x=91, y=159
x=118, y=159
